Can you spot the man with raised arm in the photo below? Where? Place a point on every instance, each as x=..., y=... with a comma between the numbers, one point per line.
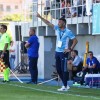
x=63, y=35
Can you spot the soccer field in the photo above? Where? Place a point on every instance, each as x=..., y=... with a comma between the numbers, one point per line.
x=18, y=91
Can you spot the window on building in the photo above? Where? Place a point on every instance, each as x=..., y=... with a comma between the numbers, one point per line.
x=16, y=7
x=1, y=7
x=8, y=8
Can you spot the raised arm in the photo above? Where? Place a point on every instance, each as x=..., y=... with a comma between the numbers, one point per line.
x=45, y=21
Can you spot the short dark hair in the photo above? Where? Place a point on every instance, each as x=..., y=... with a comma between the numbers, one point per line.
x=75, y=52
x=11, y=42
x=63, y=19
x=90, y=52
x=32, y=28
x=4, y=26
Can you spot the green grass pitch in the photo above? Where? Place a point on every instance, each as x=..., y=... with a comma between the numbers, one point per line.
x=18, y=91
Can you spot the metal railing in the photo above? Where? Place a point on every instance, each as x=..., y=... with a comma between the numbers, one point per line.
x=54, y=9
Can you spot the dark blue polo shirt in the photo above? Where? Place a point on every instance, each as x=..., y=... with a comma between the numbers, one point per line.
x=93, y=61
x=34, y=46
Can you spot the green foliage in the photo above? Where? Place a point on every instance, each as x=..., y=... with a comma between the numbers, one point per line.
x=13, y=17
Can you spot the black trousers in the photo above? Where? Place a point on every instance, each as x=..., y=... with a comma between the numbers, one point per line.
x=33, y=68
x=61, y=66
x=89, y=70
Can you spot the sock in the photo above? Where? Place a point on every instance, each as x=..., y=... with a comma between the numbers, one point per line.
x=4, y=74
x=7, y=74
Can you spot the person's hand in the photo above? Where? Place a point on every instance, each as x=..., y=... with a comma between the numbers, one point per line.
x=67, y=50
x=89, y=66
x=84, y=68
x=38, y=15
x=2, y=55
x=70, y=61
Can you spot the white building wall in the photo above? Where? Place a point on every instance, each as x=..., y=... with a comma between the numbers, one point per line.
x=93, y=44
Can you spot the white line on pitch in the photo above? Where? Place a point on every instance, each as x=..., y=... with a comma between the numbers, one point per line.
x=15, y=85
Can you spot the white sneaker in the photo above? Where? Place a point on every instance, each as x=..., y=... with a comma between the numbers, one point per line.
x=79, y=74
x=63, y=88
x=68, y=87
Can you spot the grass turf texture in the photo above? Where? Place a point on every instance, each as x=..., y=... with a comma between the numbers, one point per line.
x=18, y=91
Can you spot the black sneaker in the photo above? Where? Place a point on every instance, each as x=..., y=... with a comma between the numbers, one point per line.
x=7, y=81
x=31, y=82
x=4, y=81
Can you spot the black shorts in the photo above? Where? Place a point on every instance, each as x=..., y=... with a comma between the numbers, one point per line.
x=6, y=58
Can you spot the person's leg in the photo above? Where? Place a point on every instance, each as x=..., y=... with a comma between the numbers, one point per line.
x=61, y=66
x=69, y=67
x=93, y=70
x=11, y=62
x=7, y=74
x=79, y=11
x=13, y=65
x=70, y=75
x=84, y=73
x=63, y=13
x=4, y=75
x=74, y=71
x=7, y=65
x=64, y=70
x=58, y=65
x=33, y=69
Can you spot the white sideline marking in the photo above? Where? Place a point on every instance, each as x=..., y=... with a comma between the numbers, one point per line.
x=15, y=85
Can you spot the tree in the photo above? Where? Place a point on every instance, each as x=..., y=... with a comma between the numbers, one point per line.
x=13, y=17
